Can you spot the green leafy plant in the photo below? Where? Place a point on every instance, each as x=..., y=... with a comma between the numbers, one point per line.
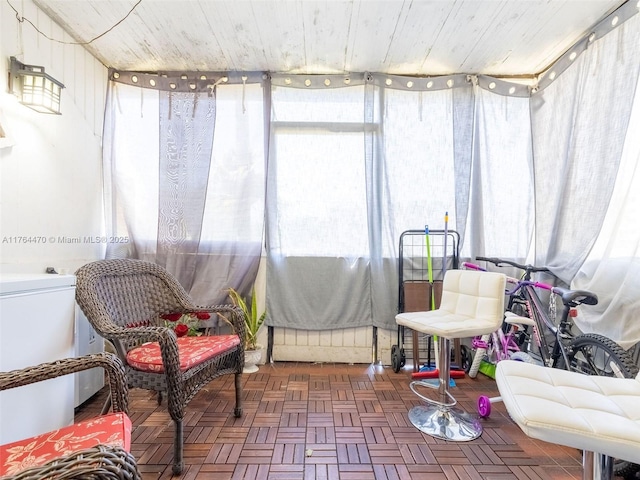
x=253, y=322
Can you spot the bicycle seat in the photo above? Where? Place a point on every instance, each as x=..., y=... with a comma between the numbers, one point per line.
x=513, y=319
x=577, y=297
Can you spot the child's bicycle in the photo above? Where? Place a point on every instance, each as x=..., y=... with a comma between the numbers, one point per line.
x=491, y=349
x=504, y=343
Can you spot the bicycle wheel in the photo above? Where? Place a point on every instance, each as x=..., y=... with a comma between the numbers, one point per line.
x=624, y=469
x=478, y=357
x=522, y=357
x=398, y=358
x=465, y=358
x=594, y=354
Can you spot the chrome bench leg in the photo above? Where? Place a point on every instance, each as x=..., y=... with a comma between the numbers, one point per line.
x=596, y=466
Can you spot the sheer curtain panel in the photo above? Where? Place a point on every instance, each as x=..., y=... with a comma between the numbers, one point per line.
x=580, y=123
x=185, y=163
x=357, y=160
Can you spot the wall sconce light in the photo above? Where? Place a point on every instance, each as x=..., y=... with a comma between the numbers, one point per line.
x=34, y=88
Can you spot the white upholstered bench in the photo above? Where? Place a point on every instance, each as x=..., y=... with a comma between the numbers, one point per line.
x=599, y=415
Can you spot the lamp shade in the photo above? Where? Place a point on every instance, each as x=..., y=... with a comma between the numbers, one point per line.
x=34, y=88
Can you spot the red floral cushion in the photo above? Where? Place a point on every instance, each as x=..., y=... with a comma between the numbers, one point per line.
x=192, y=351
x=112, y=429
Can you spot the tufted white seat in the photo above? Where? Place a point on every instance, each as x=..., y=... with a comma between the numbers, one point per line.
x=591, y=413
x=472, y=304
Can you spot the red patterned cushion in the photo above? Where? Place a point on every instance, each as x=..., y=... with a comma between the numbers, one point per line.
x=113, y=429
x=192, y=351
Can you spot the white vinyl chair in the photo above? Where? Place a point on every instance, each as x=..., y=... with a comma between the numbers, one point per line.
x=472, y=304
x=598, y=415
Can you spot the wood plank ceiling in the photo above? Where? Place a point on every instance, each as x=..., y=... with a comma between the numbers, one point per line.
x=502, y=38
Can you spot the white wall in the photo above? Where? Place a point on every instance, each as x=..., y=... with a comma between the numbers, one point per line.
x=50, y=165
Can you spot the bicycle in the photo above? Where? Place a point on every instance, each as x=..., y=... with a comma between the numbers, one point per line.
x=505, y=343
x=587, y=353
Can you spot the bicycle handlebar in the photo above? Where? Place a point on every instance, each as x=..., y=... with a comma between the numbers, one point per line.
x=515, y=281
x=568, y=296
x=473, y=266
x=499, y=262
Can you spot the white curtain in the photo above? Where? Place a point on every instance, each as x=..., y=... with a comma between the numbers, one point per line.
x=356, y=161
x=580, y=124
x=500, y=223
x=612, y=269
x=184, y=175
x=317, y=237
x=585, y=133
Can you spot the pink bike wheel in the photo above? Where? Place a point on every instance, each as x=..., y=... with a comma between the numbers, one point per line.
x=484, y=406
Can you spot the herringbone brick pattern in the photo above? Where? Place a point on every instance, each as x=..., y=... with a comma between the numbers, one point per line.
x=332, y=421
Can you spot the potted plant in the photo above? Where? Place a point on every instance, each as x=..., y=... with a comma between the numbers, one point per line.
x=253, y=322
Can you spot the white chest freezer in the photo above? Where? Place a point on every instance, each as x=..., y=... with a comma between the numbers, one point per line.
x=37, y=316
x=87, y=341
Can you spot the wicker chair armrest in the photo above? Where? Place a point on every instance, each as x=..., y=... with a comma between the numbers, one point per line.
x=45, y=371
x=101, y=462
x=145, y=334
x=163, y=335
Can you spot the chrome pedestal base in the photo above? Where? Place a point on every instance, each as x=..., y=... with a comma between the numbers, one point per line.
x=441, y=419
x=446, y=423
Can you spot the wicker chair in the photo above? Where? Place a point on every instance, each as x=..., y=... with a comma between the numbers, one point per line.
x=100, y=461
x=124, y=300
